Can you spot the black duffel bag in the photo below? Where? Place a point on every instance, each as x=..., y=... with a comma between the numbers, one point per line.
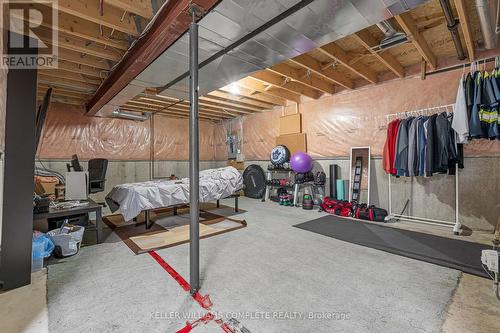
x=370, y=213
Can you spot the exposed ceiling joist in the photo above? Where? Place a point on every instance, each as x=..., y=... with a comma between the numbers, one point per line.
x=216, y=106
x=184, y=104
x=84, y=59
x=369, y=42
x=63, y=92
x=260, y=97
x=153, y=108
x=230, y=103
x=81, y=69
x=170, y=113
x=463, y=17
x=68, y=43
x=287, y=84
x=271, y=90
x=76, y=26
x=60, y=73
x=142, y=8
x=303, y=76
x=225, y=95
x=62, y=99
x=335, y=52
x=111, y=17
x=67, y=83
x=329, y=73
x=408, y=25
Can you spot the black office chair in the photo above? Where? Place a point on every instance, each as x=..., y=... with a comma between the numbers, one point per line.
x=97, y=174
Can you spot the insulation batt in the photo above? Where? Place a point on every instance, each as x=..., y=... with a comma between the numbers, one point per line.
x=130, y=199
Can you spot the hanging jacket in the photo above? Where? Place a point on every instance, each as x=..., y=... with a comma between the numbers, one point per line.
x=460, y=119
x=488, y=110
x=469, y=86
x=422, y=139
x=412, y=148
x=401, y=153
x=390, y=147
x=475, y=129
x=430, y=167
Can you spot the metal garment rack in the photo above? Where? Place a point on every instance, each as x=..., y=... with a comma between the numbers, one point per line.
x=456, y=225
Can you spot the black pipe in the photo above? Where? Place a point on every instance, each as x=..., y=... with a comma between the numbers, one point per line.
x=452, y=24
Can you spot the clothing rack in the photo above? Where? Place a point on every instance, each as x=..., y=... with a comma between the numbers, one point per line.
x=456, y=225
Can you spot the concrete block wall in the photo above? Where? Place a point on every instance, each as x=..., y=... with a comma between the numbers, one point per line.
x=434, y=197
x=120, y=172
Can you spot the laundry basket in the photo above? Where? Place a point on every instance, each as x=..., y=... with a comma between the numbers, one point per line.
x=67, y=240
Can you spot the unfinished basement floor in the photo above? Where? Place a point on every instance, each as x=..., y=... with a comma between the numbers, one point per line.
x=270, y=275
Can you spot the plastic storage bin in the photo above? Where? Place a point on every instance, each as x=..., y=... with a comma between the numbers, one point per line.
x=66, y=240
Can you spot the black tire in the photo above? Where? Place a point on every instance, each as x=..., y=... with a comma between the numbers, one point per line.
x=254, y=180
x=279, y=155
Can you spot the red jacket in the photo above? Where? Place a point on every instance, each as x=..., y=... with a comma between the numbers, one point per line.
x=390, y=147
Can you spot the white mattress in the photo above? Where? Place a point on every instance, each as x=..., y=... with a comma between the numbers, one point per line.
x=130, y=199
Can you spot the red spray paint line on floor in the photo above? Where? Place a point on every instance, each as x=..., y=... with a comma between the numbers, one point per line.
x=203, y=301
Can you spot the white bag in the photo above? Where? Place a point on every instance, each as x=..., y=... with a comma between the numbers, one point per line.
x=67, y=244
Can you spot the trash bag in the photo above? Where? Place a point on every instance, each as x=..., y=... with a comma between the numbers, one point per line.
x=42, y=245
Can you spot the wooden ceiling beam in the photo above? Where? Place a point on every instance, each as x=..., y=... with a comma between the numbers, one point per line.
x=286, y=83
x=268, y=89
x=84, y=59
x=463, y=17
x=238, y=98
x=111, y=17
x=335, y=52
x=170, y=113
x=152, y=108
x=328, y=73
x=260, y=97
x=366, y=39
x=410, y=28
x=80, y=69
x=64, y=92
x=300, y=75
x=142, y=8
x=62, y=99
x=182, y=104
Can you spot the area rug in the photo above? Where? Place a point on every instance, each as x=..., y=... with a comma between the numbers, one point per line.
x=167, y=230
x=452, y=253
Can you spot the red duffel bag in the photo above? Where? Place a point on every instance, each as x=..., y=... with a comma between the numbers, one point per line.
x=337, y=207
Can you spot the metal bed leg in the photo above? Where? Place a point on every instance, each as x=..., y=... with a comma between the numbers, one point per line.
x=175, y=210
x=149, y=224
x=236, y=204
x=218, y=204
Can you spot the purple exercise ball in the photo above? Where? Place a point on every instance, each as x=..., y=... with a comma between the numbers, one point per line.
x=301, y=162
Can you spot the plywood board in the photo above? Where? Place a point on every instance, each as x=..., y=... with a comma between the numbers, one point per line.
x=291, y=124
x=294, y=142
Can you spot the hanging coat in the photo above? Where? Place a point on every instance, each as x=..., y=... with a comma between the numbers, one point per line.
x=412, y=148
x=460, y=119
x=422, y=146
x=401, y=159
x=475, y=129
x=390, y=147
x=430, y=166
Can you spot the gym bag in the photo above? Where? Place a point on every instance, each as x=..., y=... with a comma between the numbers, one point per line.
x=337, y=207
x=370, y=213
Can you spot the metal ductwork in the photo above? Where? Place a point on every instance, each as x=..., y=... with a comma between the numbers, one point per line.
x=487, y=11
x=452, y=24
x=392, y=37
x=239, y=37
x=118, y=113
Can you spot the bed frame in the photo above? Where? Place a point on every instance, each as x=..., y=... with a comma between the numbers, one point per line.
x=150, y=223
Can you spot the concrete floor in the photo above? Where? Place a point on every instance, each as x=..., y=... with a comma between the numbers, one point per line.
x=267, y=269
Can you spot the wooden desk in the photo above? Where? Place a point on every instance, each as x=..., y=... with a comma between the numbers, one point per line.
x=91, y=207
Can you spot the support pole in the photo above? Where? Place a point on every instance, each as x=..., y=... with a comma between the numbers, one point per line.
x=194, y=159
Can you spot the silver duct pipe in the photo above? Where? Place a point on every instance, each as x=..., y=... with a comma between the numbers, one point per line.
x=453, y=28
x=392, y=37
x=118, y=113
x=387, y=28
x=487, y=11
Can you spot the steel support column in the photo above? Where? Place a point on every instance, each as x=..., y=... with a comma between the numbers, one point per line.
x=194, y=160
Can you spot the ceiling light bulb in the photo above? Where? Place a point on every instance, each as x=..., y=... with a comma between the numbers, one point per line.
x=234, y=89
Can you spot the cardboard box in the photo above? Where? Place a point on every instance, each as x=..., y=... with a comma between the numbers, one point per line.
x=294, y=142
x=291, y=124
x=237, y=165
x=44, y=187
